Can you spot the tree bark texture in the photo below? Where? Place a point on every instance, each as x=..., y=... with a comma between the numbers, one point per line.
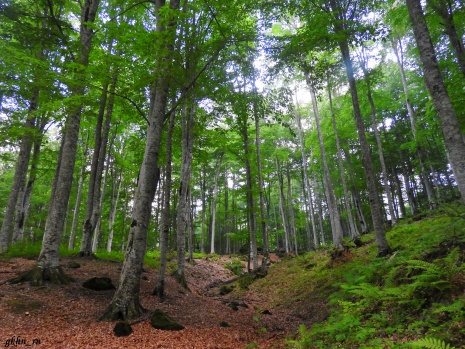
x=376, y=213
x=19, y=179
x=336, y=227
x=48, y=258
x=434, y=81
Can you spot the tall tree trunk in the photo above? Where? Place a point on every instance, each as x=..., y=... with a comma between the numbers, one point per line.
x=453, y=138
x=115, y=193
x=354, y=233
x=336, y=227
x=23, y=202
x=249, y=193
x=19, y=179
x=282, y=210
x=260, y=186
x=376, y=213
x=307, y=187
x=290, y=200
x=183, y=212
x=94, y=194
x=77, y=205
x=126, y=303
x=400, y=62
x=213, y=205
x=444, y=9
x=379, y=145
x=204, y=210
x=166, y=212
x=48, y=264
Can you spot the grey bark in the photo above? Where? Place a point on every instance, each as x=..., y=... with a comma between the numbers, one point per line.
x=354, y=232
x=263, y=225
x=307, y=186
x=376, y=213
x=213, y=205
x=116, y=190
x=290, y=200
x=336, y=227
x=48, y=260
x=282, y=210
x=166, y=211
x=126, y=303
x=77, y=205
x=23, y=202
x=453, y=138
x=183, y=211
x=19, y=179
x=444, y=9
x=379, y=145
x=399, y=57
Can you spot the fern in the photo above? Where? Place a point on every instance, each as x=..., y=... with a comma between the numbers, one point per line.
x=432, y=343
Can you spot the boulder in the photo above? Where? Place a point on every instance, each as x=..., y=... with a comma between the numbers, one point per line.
x=99, y=284
x=163, y=321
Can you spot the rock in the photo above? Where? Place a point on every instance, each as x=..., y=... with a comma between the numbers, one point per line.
x=122, y=329
x=225, y=289
x=224, y=324
x=99, y=284
x=163, y=321
x=74, y=265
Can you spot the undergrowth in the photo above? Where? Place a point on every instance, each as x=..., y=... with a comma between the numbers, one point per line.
x=414, y=298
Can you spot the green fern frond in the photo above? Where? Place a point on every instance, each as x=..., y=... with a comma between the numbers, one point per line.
x=427, y=266
x=432, y=343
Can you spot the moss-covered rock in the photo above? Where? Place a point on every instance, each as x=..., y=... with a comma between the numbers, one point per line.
x=122, y=329
x=225, y=289
x=163, y=321
x=99, y=284
x=73, y=265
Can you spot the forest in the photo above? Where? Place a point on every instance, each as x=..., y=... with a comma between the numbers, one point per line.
x=179, y=131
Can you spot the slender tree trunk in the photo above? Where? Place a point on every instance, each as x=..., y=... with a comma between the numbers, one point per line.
x=379, y=145
x=290, y=200
x=444, y=9
x=249, y=194
x=204, y=210
x=215, y=195
x=183, y=212
x=376, y=213
x=411, y=113
x=23, y=202
x=166, y=212
x=399, y=193
x=94, y=194
x=126, y=302
x=263, y=226
x=77, y=205
x=307, y=187
x=336, y=227
x=282, y=201
x=19, y=179
x=453, y=138
x=48, y=267
x=113, y=209
x=354, y=233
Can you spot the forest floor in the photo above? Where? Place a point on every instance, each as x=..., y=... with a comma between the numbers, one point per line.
x=66, y=316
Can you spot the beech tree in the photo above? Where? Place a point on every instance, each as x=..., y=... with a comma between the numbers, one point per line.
x=433, y=78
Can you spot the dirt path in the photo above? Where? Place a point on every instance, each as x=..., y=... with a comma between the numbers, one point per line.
x=65, y=317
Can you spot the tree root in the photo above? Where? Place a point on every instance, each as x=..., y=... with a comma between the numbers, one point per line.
x=122, y=310
x=38, y=275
